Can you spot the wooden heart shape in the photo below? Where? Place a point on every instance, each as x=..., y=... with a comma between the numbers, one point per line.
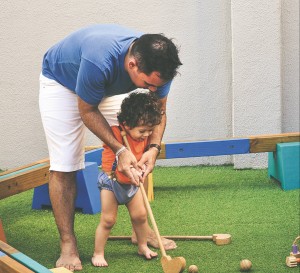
x=173, y=265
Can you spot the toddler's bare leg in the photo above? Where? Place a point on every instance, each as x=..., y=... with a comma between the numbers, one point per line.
x=108, y=219
x=151, y=237
x=138, y=216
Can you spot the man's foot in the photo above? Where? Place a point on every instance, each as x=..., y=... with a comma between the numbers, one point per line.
x=167, y=243
x=147, y=252
x=69, y=257
x=69, y=261
x=99, y=261
x=152, y=241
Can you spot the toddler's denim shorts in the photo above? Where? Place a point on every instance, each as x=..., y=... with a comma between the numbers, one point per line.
x=123, y=192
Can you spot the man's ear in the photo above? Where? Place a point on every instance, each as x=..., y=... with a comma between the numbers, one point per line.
x=132, y=63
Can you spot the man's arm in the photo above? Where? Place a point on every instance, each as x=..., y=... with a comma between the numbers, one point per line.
x=96, y=123
x=148, y=159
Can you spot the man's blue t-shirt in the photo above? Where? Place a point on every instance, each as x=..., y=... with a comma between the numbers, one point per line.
x=90, y=62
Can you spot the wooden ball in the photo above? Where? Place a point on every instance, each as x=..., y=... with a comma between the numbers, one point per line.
x=245, y=265
x=193, y=269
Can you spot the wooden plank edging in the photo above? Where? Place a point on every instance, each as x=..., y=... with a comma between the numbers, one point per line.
x=22, y=258
x=23, y=181
x=267, y=143
x=35, y=174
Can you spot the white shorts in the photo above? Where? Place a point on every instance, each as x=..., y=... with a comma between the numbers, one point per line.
x=64, y=129
x=110, y=107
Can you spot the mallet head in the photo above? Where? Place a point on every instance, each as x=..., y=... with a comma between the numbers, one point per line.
x=222, y=239
x=173, y=265
x=292, y=261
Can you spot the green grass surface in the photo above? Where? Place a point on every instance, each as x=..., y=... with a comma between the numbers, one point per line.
x=262, y=219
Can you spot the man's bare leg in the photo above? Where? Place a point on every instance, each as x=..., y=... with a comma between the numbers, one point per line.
x=151, y=237
x=62, y=190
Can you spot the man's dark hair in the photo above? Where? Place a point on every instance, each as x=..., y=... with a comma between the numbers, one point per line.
x=155, y=52
x=140, y=109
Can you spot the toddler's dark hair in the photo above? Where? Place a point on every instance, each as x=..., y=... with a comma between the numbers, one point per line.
x=140, y=109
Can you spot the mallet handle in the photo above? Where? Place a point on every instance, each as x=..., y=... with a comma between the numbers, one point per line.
x=178, y=237
x=155, y=228
x=147, y=204
x=175, y=237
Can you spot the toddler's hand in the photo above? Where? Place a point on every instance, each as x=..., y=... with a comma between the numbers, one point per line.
x=137, y=173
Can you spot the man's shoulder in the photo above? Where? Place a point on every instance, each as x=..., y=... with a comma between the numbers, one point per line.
x=100, y=43
x=111, y=31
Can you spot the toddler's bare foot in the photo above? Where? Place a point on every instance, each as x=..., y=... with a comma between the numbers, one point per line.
x=147, y=252
x=98, y=260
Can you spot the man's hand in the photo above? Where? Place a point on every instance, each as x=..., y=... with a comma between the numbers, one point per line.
x=127, y=165
x=147, y=162
x=149, y=158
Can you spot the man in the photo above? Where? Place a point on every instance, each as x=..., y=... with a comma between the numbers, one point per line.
x=77, y=72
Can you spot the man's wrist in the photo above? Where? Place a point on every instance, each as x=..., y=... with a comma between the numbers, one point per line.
x=153, y=145
x=121, y=150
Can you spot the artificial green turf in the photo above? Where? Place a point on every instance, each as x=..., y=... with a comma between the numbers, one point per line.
x=202, y=200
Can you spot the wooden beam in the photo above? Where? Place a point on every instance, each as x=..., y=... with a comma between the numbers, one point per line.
x=22, y=258
x=22, y=180
x=267, y=143
x=162, y=154
x=217, y=147
x=89, y=148
x=9, y=265
x=45, y=160
x=7, y=248
x=35, y=174
x=207, y=148
x=26, y=177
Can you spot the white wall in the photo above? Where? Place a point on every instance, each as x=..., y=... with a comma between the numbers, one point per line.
x=290, y=66
x=256, y=65
x=200, y=103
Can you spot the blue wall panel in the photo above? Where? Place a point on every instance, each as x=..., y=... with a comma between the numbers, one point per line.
x=207, y=148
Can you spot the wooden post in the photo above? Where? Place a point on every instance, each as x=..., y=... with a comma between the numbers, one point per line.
x=150, y=191
x=2, y=234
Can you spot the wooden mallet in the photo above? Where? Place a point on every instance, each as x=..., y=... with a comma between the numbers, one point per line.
x=169, y=265
x=218, y=239
x=292, y=261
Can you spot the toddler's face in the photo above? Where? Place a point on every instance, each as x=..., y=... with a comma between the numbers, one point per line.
x=139, y=133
